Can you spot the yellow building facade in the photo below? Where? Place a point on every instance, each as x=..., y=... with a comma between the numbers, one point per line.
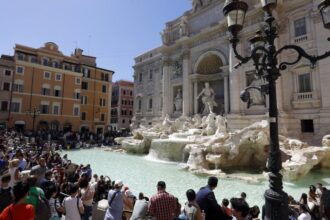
x=58, y=92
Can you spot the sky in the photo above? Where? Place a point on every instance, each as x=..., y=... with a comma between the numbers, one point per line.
x=114, y=31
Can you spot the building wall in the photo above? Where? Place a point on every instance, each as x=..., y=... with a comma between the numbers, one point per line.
x=6, y=78
x=58, y=83
x=123, y=102
x=191, y=39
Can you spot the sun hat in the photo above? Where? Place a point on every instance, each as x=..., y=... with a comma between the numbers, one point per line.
x=118, y=183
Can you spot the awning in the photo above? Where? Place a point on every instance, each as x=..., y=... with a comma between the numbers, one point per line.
x=19, y=122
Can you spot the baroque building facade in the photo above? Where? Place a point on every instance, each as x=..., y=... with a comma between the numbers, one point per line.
x=58, y=92
x=196, y=50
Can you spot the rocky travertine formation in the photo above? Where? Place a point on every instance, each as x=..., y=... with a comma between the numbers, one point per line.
x=205, y=146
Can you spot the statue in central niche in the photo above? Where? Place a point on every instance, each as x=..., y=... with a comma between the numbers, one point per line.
x=208, y=99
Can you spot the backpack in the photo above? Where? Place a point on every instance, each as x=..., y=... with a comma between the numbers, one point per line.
x=6, y=198
x=42, y=208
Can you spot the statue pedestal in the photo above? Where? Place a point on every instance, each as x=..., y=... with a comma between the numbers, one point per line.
x=177, y=114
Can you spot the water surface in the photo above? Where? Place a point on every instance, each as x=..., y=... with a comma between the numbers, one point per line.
x=141, y=175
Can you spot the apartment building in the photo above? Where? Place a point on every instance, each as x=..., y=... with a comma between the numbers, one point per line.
x=6, y=77
x=122, y=105
x=59, y=92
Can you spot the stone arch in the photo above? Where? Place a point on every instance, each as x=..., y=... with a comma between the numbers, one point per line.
x=210, y=62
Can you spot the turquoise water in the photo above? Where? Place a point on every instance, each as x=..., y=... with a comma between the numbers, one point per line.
x=142, y=175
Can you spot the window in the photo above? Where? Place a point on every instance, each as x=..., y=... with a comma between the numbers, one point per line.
x=33, y=59
x=4, y=106
x=76, y=110
x=102, y=117
x=84, y=100
x=131, y=93
x=307, y=126
x=57, y=91
x=47, y=75
x=20, y=70
x=6, y=86
x=140, y=105
x=140, y=77
x=45, y=91
x=20, y=56
x=150, y=74
x=84, y=85
x=45, y=61
x=130, y=113
x=55, y=64
x=15, y=106
x=56, y=109
x=86, y=72
x=104, y=88
x=58, y=76
x=305, y=83
x=18, y=86
x=150, y=104
x=300, y=27
x=76, y=94
x=44, y=108
x=106, y=77
x=8, y=72
x=78, y=81
x=83, y=116
x=102, y=102
x=123, y=121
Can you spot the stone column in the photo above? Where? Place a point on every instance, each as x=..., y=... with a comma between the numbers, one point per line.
x=234, y=81
x=195, y=100
x=225, y=81
x=186, y=95
x=166, y=86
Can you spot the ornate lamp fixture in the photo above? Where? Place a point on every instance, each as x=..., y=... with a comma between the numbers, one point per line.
x=324, y=8
x=265, y=58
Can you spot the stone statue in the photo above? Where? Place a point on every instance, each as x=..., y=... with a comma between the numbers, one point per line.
x=197, y=4
x=178, y=101
x=207, y=99
x=256, y=96
x=165, y=36
x=184, y=27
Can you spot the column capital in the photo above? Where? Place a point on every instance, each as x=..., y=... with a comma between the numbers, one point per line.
x=167, y=61
x=185, y=54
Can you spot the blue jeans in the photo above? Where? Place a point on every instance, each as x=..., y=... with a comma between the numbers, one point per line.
x=87, y=212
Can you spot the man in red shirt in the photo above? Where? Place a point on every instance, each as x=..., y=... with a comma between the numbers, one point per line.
x=163, y=205
x=19, y=210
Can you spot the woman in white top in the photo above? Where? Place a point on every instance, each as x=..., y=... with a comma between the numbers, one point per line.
x=14, y=172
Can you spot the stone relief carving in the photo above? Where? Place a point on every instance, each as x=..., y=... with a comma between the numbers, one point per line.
x=177, y=69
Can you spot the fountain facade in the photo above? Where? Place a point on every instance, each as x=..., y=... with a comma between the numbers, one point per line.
x=205, y=145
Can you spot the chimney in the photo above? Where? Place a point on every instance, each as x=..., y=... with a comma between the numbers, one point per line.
x=78, y=52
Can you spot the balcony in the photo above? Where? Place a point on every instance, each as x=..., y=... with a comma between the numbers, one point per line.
x=306, y=100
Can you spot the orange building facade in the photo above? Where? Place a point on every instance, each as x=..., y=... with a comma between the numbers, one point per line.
x=58, y=92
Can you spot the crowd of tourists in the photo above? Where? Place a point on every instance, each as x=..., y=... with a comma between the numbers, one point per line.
x=38, y=183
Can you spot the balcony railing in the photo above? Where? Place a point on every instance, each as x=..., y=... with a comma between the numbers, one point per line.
x=304, y=96
x=301, y=39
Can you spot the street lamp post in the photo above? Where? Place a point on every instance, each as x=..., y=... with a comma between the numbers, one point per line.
x=34, y=113
x=264, y=56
